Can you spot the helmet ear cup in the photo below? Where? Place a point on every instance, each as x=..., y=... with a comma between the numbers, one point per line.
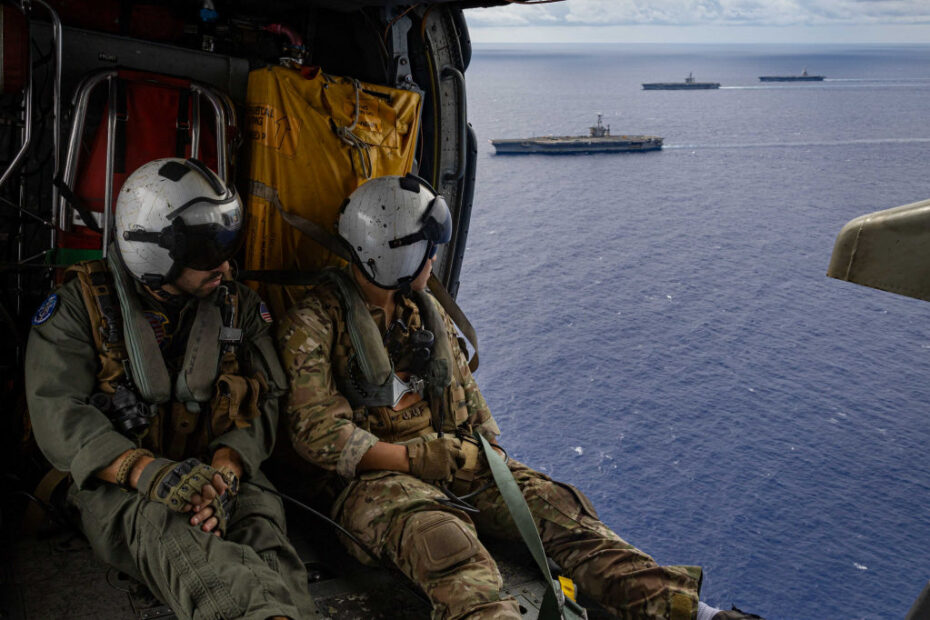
x=384, y=223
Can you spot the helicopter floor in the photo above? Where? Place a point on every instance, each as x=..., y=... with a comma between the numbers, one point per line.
x=55, y=575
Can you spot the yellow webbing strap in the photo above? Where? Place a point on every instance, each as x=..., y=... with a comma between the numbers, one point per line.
x=568, y=587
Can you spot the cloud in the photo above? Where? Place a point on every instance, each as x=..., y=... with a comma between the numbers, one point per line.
x=707, y=12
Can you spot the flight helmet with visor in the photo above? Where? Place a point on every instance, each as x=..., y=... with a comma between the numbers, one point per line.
x=176, y=213
x=393, y=225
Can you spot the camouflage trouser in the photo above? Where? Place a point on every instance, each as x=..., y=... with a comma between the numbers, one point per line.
x=398, y=517
x=253, y=572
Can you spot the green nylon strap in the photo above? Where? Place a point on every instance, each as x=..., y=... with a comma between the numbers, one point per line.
x=555, y=606
x=149, y=373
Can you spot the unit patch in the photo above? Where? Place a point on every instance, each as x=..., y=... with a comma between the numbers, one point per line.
x=263, y=310
x=159, y=323
x=46, y=310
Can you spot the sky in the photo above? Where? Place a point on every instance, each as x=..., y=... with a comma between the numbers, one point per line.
x=705, y=21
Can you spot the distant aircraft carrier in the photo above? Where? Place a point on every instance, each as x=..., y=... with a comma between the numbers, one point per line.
x=804, y=77
x=688, y=84
x=599, y=140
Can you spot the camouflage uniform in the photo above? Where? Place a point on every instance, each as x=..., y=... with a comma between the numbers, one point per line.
x=252, y=571
x=401, y=518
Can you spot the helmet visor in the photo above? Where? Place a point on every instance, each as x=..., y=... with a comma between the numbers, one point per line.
x=436, y=226
x=437, y=222
x=206, y=232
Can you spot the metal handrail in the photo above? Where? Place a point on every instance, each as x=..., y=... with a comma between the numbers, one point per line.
x=56, y=112
x=219, y=113
x=223, y=110
x=27, y=117
x=79, y=105
x=112, y=105
x=458, y=172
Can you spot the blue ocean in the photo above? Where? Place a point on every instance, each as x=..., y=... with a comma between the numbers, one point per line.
x=658, y=328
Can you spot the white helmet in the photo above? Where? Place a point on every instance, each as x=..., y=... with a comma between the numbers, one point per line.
x=175, y=213
x=393, y=225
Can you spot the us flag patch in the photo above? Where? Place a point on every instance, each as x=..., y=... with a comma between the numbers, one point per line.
x=263, y=310
x=159, y=323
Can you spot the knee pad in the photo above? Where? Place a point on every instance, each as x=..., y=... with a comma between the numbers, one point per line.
x=439, y=540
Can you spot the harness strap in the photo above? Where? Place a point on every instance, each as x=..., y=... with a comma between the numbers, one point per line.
x=77, y=204
x=440, y=364
x=104, y=315
x=457, y=315
x=35, y=515
x=307, y=227
x=555, y=605
x=201, y=359
x=366, y=339
x=149, y=373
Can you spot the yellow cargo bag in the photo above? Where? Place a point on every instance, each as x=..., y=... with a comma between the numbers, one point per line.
x=314, y=138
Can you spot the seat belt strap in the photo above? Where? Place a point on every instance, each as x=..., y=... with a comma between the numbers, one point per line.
x=457, y=315
x=555, y=605
x=77, y=204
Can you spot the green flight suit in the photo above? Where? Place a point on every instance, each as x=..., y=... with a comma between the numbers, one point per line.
x=252, y=571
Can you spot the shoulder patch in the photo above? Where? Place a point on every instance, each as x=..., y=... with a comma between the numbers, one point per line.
x=263, y=311
x=46, y=310
x=159, y=322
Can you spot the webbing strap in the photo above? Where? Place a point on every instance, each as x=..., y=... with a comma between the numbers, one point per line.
x=371, y=355
x=311, y=229
x=457, y=315
x=149, y=373
x=201, y=358
x=555, y=606
x=335, y=245
x=36, y=513
x=77, y=204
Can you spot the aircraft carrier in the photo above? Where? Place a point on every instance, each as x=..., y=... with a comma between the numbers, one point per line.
x=688, y=84
x=599, y=140
x=804, y=77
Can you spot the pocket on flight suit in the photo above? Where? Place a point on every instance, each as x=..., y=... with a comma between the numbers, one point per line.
x=255, y=502
x=459, y=405
x=564, y=504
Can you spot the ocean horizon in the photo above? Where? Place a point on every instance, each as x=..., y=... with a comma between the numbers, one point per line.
x=658, y=329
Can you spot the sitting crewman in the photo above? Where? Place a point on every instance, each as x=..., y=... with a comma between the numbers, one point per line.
x=152, y=378
x=382, y=397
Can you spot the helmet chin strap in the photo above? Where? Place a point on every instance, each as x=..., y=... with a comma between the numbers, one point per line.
x=403, y=288
x=156, y=284
x=172, y=299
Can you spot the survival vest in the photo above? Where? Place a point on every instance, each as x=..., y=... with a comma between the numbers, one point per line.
x=208, y=381
x=365, y=375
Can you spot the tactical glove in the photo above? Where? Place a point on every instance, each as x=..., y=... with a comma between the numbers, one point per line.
x=174, y=484
x=437, y=459
x=223, y=506
x=227, y=499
